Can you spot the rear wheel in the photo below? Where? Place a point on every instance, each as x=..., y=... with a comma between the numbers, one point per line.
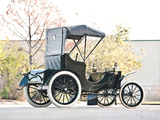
x=106, y=98
x=64, y=89
x=131, y=95
x=35, y=97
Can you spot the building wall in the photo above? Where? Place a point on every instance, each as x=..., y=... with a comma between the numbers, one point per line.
x=149, y=75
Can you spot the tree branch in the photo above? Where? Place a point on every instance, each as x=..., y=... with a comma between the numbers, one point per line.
x=38, y=39
x=35, y=31
x=34, y=19
x=37, y=49
x=26, y=51
x=41, y=34
x=14, y=32
x=21, y=19
x=18, y=31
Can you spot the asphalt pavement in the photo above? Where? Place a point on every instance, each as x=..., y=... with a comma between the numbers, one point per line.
x=80, y=111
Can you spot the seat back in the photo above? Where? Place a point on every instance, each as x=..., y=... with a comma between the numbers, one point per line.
x=68, y=63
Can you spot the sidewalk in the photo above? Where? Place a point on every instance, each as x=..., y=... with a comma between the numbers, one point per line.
x=13, y=103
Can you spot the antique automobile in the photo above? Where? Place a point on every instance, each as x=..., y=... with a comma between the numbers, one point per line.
x=63, y=80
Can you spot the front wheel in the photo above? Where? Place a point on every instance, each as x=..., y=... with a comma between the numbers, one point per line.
x=35, y=97
x=131, y=94
x=64, y=89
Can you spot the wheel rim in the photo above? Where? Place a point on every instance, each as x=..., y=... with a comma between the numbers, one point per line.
x=132, y=94
x=64, y=89
x=106, y=97
x=39, y=97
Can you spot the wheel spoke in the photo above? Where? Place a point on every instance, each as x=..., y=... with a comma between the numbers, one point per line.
x=110, y=98
x=37, y=97
x=58, y=83
x=70, y=96
x=126, y=91
x=63, y=97
x=57, y=94
x=40, y=98
x=131, y=100
x=102, y=98
x=43, y=98
x=60, y=97
x=125, y=97
x=72, y=91
x=134, y=100
x=137, y=94
x=67, y=98
x=134, y=88
x=129, y=88
x=107, y=100
x=34, y=94
x=65, y=80
x=58, y=87
x=128, y=100
x=68, y=81
x=137, y=91
x=71, y=83
x=61, y=81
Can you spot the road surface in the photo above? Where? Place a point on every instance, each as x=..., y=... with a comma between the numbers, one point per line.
x=78, y=112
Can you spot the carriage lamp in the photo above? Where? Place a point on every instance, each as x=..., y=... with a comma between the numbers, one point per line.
x=115, y=68
x=94, y=68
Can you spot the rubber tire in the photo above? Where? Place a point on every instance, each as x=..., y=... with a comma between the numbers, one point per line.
x=30, y=101
x=50, y=86
x=106, y=106
x=121, y=92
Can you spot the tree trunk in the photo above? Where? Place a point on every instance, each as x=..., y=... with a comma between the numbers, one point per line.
x=30, y=45
x=30, y=59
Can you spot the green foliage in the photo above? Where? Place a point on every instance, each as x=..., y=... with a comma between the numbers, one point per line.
x=113, y=49
x=2, y=54
x=12, y=66
x=5, y=92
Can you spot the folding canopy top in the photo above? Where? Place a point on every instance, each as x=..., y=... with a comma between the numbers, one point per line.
x=56, y=37
x=77, y=32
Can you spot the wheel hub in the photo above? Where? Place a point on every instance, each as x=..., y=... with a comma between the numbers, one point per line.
x=106, y=94
x=131, y=94
x=65, y=89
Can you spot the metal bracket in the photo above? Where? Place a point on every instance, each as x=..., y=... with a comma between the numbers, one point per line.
x=20, y=88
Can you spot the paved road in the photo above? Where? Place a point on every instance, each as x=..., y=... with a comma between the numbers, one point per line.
x=79, y=112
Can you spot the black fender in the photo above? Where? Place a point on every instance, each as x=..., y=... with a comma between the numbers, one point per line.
x=120, y=80
x=24, y=82
x=128, y=74
x=56, y=71
x=26, y=79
